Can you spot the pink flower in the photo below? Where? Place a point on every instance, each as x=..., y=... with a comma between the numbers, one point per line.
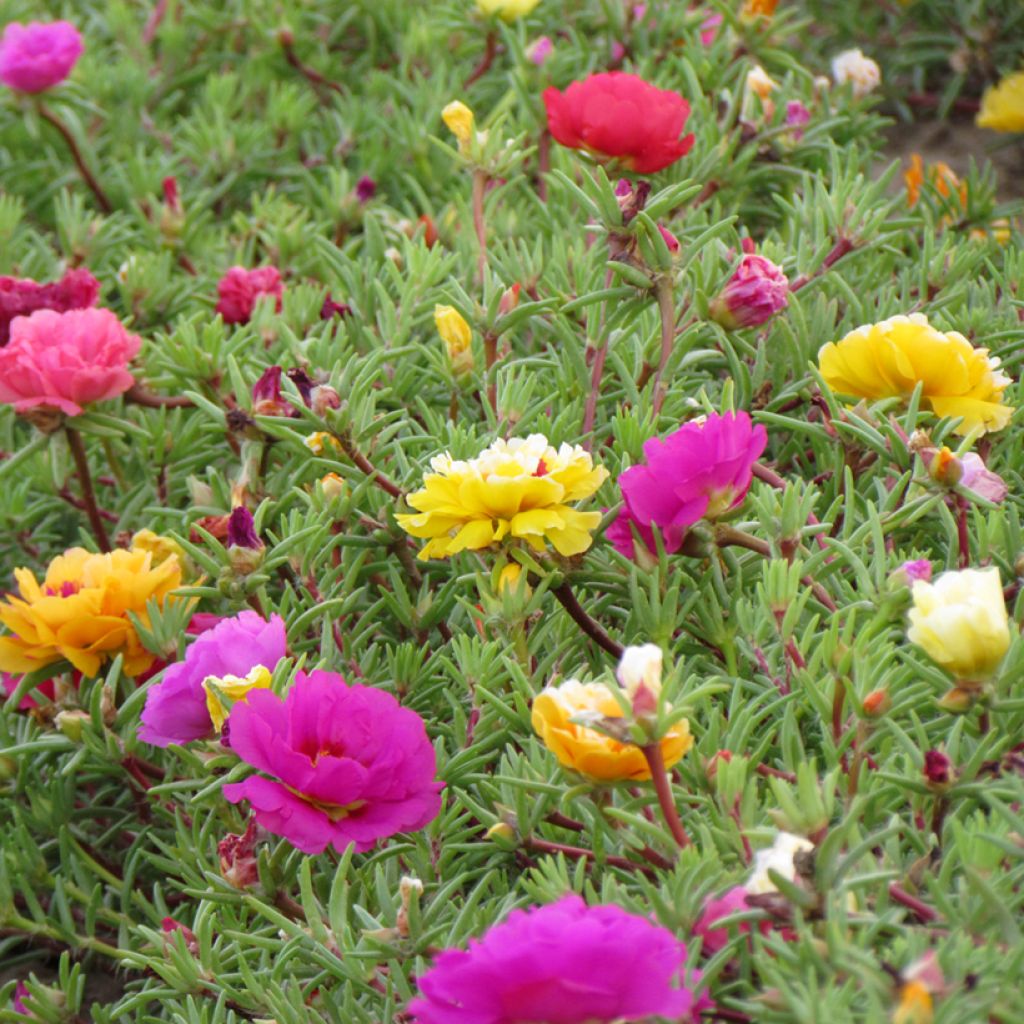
x=37, y=56
x=239, y=289
x=564, y=963
x=701, y=471
x=977, y=477
x=540, y=50
x=350, y=764
x=910, y=572
x=755, y=293
x=715, y=936
x=709, y=29
x=17, y=999
x=797, y=115
x=65, y=361
x=176, y=709
x=77, y=289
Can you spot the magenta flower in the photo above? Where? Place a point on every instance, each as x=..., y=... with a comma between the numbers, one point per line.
x=910, y=572
x=564, y=963
x=755, y=293
x=65, y=361
x=349, y=764
x=715, y=936
x=709, y=29
x=701, y=471
x=37, y=56
x=239, y=289
x=366, y=188
x=797, y=115
x=242, y=529
x=77, y=289
x=539, y=50
x=17, y=999
x=176, y=709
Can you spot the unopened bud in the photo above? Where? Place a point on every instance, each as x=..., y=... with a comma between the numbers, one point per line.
x=503, y=834
x=459, y=120
x=877, y=703
x=334, y=486
x=945, y=468
x=322, y=398
x=70, y=724
x=407, y=888
x=509, y=299
x=639, y=674
x=957, y=701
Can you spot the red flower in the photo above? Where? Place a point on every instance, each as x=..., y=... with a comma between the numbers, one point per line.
x=617, y=116
x=239, y=289
x=77, y=289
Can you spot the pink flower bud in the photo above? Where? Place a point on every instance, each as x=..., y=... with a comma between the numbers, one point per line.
x=37, y=56
x=169, y=926
x=171, y=197
x=509, y=299
x=670, y=240
x=540, y=50
x=756, y=292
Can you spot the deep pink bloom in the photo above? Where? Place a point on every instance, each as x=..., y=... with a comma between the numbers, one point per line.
x=77, y=289
x=564, y=963
x=239, y=289
x=755, y=293
x=17, y=1000
x=618, y=116
x=938, y=768
x=709, y=28
x=350, y=764
x=702, y=470
x=37, y=56
x=715, y=936
x=175, y=710
x=66, y=360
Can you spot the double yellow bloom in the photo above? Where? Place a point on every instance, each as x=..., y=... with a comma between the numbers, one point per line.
x=80, y=610
x=891, y=358
x=518, y=488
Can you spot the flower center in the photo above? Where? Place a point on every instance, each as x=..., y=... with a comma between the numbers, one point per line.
x=719, y=502
x=542, y=468
x=333, y=811
x=66, y=589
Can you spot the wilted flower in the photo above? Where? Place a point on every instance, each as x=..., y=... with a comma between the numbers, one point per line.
x=177, y=707
x=618, y=116
x=977, y=477
x=564, y=963
x=37, y=56
x=237, y=856
x=517, y=489
x=77, y=289
x=242, y=529
x=797, y=115
x=1002, y=105
x=539, y=50
x=366, y=189
x=239, y=289
x=459, y=120
x=891, y=358
x=81, y=611
x=65, y=361
x=780, y=857
x=861, y=72
x=507, y=10
x=757, y=290
x=961, y=623
x=938, y=769
x=587, y=751
x=701, y=471
x=331, y=309
x=349, y=764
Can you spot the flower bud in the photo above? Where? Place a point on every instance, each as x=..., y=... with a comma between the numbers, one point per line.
x=407, y=888
x=938, y=771
x=70, y=723
x=944, y=467
x=907, y=574
x=459, y=119
x=334, y=486
x=169, y=926
x=957, y=701
x=366, y=188
x=245, y=549
x=172, y=217
x=322, y=398
x=754, y=294
x=539, y=50
x=503, y=834
x=509, y=299
x=457, y=337
x=877, y=703
x=670, y=240
x=639, y=674
x=510, y=577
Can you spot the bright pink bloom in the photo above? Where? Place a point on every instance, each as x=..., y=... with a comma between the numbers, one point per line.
x=21, y=296
x=350, y=764
x=618, y=116
x=709, y=28
x=176, y=710
x=239, y=289
x=755, y=293
x=715, y=936
x=564, y=963
x=37, y=56
x=701, y=471
x=66, y=360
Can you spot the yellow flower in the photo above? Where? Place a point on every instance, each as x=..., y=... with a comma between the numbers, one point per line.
x=80, y=611
x=161, y=548
x=518, y=488
x=760, y=82
x=1002, y=106
x=334, y=485
x=235, y=688
x=915, y=1006
x=319, y=441
x=507, y=10
x=587, y=751
x=459, y=119
x=456, y=335
x=961, y=623
x=888, y=359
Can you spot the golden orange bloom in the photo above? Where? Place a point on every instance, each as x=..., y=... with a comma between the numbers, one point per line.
x=520, y=488
x=891, y=358
x=591, y=753
x=941, y=177
x=80, y=611
x=755, y=8
x=915, y=1006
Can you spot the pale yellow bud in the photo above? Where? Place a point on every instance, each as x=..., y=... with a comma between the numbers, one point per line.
x=459, y=119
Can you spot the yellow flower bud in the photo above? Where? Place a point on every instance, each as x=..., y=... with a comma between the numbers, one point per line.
x=234, y=688
x=459, y=119
x=509, y=578
x=334, y=486
x=455, y=332
x=507, y=10
x=961, y=623
x=587, y=751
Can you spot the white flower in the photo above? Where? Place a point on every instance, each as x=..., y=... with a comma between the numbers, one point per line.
x=779, y=857
x=640, y=667
x=862, y=72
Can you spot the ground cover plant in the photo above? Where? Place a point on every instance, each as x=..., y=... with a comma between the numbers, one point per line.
x=511, y=512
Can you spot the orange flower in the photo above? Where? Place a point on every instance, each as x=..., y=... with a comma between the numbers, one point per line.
x=753, y=8
x=940, y=176
x=81, y=610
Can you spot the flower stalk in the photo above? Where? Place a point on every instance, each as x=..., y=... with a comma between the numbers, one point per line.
x=88, y=177
x=92, y=510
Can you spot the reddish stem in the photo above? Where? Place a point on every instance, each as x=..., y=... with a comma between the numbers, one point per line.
x=76, y=154
x=962, y=533
x=567, y=599
x=88, y=494
x=485, y=62
x=140, y=396
x=839, y=250
x=663, y=788
x=921, y=910
x=596, y=373
x=490, y=358
x=579, y=853
x=315, y=78
x=929, y=101
x=367, y=467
